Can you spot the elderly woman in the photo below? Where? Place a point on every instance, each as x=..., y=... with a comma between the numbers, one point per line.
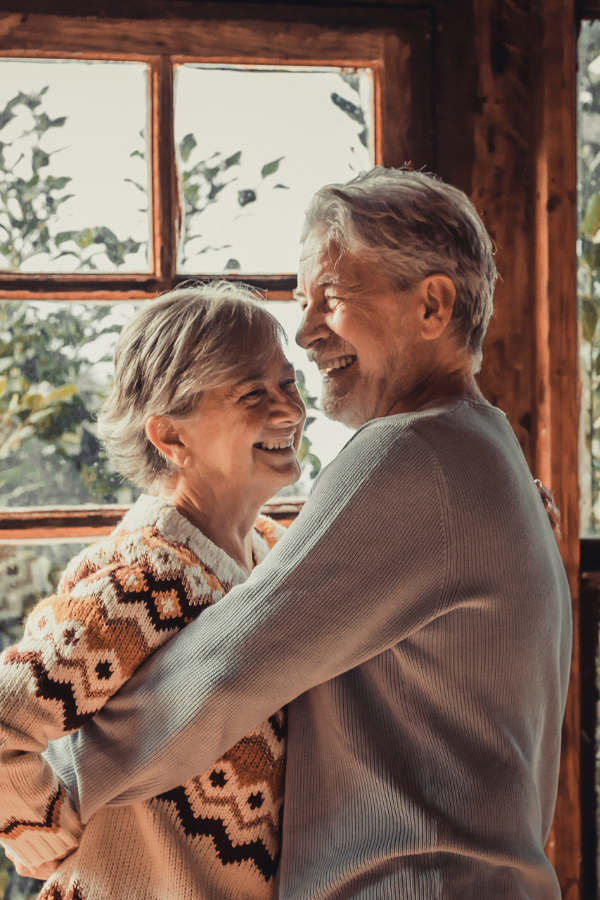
x=205, y=416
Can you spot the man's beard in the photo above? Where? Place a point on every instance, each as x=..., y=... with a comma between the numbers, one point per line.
x=359, y=404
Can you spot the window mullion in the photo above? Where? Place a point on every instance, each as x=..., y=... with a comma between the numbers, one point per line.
x=166, y=214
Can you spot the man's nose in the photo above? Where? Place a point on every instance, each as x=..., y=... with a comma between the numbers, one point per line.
x=312, y=327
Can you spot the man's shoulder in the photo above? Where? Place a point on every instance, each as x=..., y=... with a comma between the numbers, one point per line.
x=439, y=430
x=387, y=460
x=439, y=454
x=417, y=467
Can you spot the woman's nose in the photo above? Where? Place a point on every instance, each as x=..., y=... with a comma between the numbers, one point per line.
x=288, y=408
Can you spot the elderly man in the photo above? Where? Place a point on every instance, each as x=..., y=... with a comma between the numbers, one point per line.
x=416, y=618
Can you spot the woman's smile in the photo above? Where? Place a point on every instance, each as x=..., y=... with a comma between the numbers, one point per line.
x=247, y=435
x=277, y=445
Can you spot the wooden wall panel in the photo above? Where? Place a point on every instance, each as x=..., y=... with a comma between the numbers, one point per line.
x=523, y=184
x=501, y=181
x=558, y=148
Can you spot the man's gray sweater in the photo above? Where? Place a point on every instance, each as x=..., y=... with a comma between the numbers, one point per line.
x=417, y=620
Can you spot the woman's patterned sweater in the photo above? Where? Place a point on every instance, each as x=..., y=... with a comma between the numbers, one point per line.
x=215, y=837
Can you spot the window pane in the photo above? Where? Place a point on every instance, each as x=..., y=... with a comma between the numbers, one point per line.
x=253, y=146
x=74, y=193
x=55, y=370
x=588, y=251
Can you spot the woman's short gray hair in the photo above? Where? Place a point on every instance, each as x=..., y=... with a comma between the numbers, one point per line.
x=173, y=350
x=411, y=224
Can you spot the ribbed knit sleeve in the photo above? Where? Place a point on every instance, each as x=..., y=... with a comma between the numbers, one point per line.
x=324, y=601
x=417, y=620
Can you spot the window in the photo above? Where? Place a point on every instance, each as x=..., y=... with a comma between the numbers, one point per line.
x=589, y=273
x=588, y=288
x=140, y=154
x=237, y=203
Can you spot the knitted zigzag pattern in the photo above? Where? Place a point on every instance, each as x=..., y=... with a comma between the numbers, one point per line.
x=118, y=602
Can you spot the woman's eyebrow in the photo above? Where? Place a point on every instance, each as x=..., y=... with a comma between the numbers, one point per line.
x=247, y=379
x=253, y=377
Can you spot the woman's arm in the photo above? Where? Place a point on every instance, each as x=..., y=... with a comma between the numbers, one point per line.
x=37, y=820
x=78, y=648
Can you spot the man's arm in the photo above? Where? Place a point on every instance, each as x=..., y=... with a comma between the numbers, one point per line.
x=362, y=567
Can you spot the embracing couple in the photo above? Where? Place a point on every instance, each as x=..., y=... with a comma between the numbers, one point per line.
x=368, y=705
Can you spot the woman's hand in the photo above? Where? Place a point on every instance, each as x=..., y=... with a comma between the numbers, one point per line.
x=41, y=872
x=550, y=507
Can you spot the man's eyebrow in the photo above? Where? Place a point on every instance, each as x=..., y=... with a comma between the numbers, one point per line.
x=330, y=281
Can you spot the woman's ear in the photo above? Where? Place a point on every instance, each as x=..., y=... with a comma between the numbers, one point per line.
x=168, y=437
x=438, y=293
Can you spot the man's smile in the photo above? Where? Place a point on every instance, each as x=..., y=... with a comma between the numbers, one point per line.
x=332, y=367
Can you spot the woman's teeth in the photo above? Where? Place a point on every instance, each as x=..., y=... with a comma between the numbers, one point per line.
x=276, y=445
x=340, y=363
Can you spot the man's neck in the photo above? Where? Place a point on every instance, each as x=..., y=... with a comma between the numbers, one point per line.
x=459, y=384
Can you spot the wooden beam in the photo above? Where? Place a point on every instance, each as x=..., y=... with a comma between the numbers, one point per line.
x=200, y=9
x=232, y=41
x=587, y=9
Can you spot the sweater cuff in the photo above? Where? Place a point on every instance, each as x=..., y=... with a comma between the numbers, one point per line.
x=35, y=846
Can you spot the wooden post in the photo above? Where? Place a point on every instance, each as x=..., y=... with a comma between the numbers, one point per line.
x=524, y=184
x=562, y=409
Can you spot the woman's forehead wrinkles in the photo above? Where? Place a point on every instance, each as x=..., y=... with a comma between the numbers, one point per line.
x=286, y=368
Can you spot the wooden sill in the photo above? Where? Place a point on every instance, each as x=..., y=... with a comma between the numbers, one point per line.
x=28, y=525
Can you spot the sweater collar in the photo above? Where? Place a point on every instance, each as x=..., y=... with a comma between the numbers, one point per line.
x=154, y=512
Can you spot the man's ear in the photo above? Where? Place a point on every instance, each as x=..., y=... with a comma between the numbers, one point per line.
x=169, y=439
x=437, y=299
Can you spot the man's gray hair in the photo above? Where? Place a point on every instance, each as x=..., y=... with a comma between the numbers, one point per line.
x=411, y=225
x=173, y=350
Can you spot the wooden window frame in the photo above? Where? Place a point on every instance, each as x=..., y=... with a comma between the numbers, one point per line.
x=199, y=41
x=349, y=36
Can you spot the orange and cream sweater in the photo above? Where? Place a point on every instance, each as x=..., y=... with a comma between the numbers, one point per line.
x=218, y=835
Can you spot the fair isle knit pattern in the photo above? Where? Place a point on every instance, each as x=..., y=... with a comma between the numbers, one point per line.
x=218, y=835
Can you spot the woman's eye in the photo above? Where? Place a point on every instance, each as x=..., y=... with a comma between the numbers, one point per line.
x=290, y=384
x=252, y=395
